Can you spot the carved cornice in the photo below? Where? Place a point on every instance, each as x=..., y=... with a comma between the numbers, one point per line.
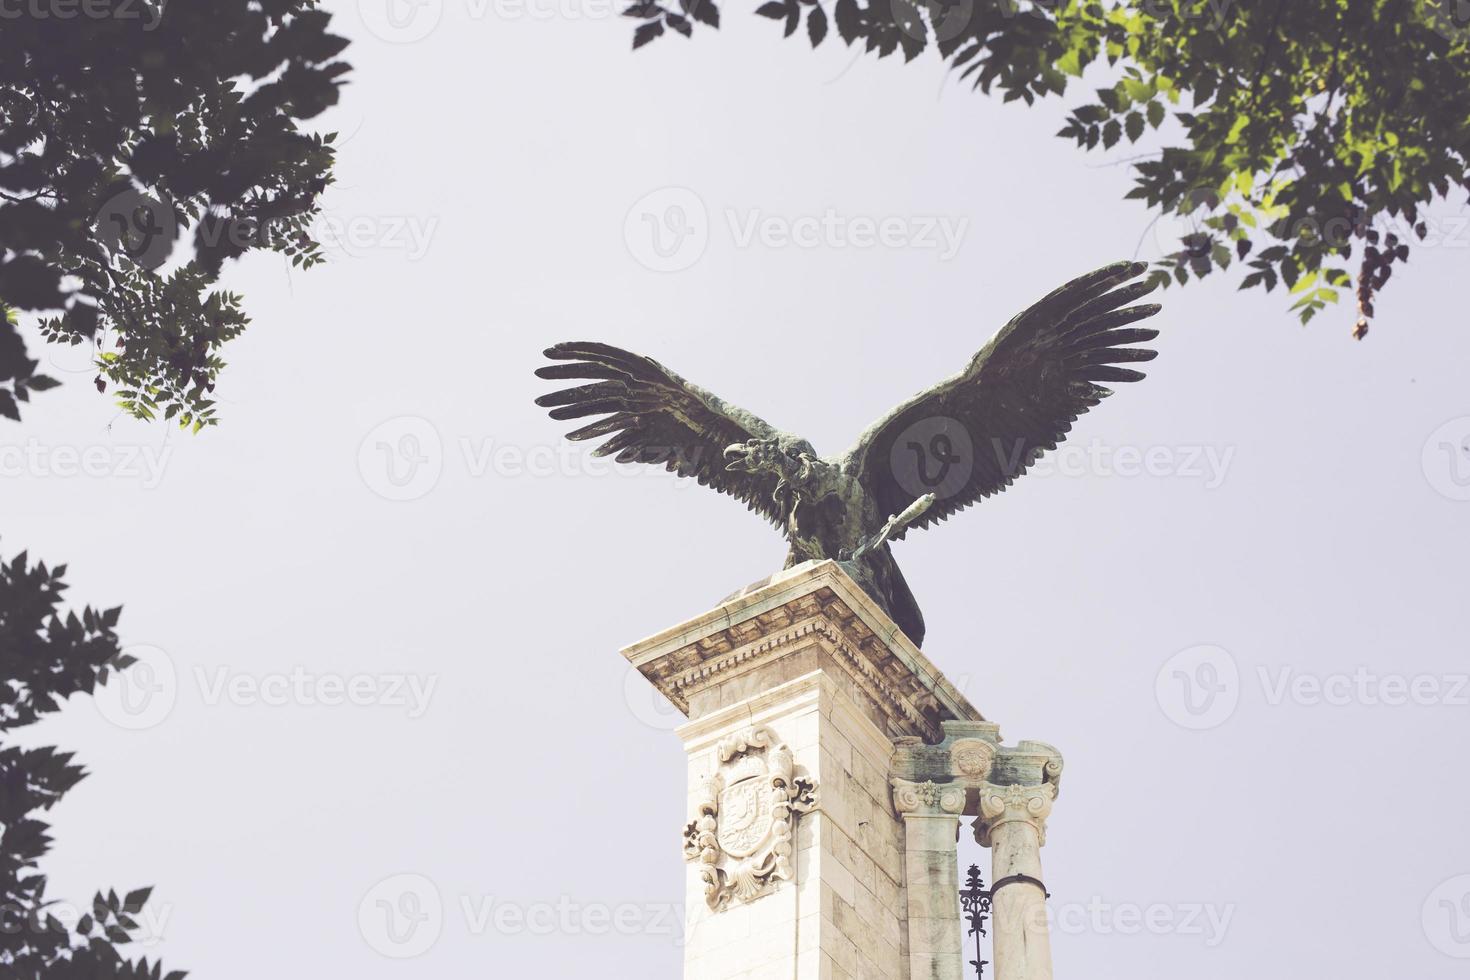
x=911, y=708
x=816, y=602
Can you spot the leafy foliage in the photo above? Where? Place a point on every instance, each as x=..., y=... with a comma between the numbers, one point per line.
x=126, y=124
x=1297, y=138
x=18, y=377
x=47, y=655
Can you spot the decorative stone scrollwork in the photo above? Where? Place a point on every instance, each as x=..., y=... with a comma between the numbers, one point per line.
x=935, y=797
x=745, y=819
x=1003, y=804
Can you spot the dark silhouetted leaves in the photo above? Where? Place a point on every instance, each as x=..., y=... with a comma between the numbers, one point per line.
x=47, y=655
x=703, y=11
x=647, y=32
x=97, y=190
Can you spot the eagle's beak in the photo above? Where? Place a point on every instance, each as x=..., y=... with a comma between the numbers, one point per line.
x=739, y=456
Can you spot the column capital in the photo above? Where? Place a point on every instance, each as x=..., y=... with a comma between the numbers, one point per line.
x=972, y=761
x=928, y=799
x=1000, y=805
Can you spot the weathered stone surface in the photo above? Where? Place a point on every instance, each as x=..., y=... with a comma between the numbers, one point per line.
x=801, y=685
x=830, y=765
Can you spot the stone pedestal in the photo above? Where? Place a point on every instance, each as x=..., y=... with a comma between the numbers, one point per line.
x=830, y=764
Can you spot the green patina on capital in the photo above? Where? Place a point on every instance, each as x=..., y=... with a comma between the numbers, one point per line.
x=946, y=448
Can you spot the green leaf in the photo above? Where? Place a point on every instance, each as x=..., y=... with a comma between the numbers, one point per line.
x=1303, y=283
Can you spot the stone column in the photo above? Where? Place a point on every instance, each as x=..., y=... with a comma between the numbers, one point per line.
x=1012, y=824
x=1010, y=790
x=798, y=863
x=931, y=823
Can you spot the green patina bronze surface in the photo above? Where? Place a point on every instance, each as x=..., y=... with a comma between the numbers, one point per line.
x=948, y=447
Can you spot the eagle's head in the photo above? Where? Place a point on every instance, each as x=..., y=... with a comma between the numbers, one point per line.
x=788, y=458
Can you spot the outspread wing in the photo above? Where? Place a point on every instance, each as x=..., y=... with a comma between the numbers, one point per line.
x=972, y=435
x=654, y=416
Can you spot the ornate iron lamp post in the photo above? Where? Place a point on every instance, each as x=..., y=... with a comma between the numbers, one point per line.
x=975, y=902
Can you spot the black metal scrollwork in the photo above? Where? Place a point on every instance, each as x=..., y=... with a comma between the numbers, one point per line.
x=975, y=902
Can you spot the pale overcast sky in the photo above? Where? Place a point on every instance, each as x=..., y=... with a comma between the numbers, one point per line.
x=1273, y=517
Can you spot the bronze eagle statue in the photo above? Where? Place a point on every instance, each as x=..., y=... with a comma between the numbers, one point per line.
x=960, y=441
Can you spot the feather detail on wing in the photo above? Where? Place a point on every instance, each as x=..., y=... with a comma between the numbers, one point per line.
x=972, y=435
x=654, y=416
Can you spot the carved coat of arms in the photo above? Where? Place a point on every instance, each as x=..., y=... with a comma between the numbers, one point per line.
x=745, y=819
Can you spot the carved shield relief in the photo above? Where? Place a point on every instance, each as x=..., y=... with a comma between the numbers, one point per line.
x=743, y=826
x=745, y=820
